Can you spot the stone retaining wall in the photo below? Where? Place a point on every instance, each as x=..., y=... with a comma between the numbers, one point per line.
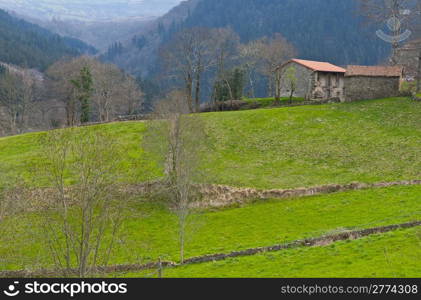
x=213, y=196
x=313, y=242
x=222, y=195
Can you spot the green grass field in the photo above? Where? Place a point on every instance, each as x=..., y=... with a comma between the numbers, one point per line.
x=367, y=141
x=149, y=232
x=391, y=255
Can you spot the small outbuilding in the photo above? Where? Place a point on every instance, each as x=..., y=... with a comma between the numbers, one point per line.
x=372, y=82
x=314, y=80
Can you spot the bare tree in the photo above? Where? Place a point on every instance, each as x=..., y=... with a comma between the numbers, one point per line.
x=227, y=44
x=131, y=96
x=83, y=219
x=249, y=57
x=114, y=92
x=16, y=99
x=269, y=54
x=291, y=80
x=60, y=85
x=187, y=56
x=179, y=140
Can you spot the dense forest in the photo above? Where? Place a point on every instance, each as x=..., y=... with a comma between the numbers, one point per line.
x=327, y=30
x=28, y=45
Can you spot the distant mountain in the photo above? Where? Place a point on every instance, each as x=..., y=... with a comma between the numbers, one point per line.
x=138, y=53
x=100, y=34
x=89, y=10
x=327, y=30
x=29, y=45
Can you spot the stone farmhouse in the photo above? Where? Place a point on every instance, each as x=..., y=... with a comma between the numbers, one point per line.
x=314, y=80
x=323, y=81
x=372, y=82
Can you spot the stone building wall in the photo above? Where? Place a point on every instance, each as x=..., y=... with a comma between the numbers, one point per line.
x=304, y=81
x=313, y=85
x=364, y=87
x=328, y=86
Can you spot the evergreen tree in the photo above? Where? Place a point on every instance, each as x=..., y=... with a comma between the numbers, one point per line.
x=230, y=86
x=84, y=88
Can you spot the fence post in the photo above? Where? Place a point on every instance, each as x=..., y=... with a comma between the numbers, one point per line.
x=160, y=268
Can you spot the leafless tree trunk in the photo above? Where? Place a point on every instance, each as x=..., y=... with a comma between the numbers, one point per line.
x=277, y=86
x=269, y=54
x=82, y=223
x=227, y=52
x=179, y=139
x=249, y=56
x=16, y=99
x=188, y=56
x=114, y=92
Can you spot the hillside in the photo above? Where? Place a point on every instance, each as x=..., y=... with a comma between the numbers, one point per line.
x=318, y=29
x=140, y=59
x=100, y=34
x=92, y=10
x=150, y=233
x=97, y=23
x=28, y=45
x=390, y=255
x=367, y=141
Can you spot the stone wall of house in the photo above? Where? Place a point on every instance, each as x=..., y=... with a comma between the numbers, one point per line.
x=312, y=85
x=363, y=87
x=304, y=83
x=328, y=86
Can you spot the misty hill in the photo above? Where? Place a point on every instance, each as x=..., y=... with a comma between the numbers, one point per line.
x=92, y=10
x=138, y=53
x=327, y=30
x=29, y=45
x=100, y=34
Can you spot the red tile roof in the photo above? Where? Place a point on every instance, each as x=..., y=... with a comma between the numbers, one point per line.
x=319, y=66
x=374, y=71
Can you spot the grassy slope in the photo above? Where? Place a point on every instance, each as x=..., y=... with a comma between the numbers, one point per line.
x=312, y=145
x=274, y=148
x=150, y=232
x=394, y=255
x=369, y=141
